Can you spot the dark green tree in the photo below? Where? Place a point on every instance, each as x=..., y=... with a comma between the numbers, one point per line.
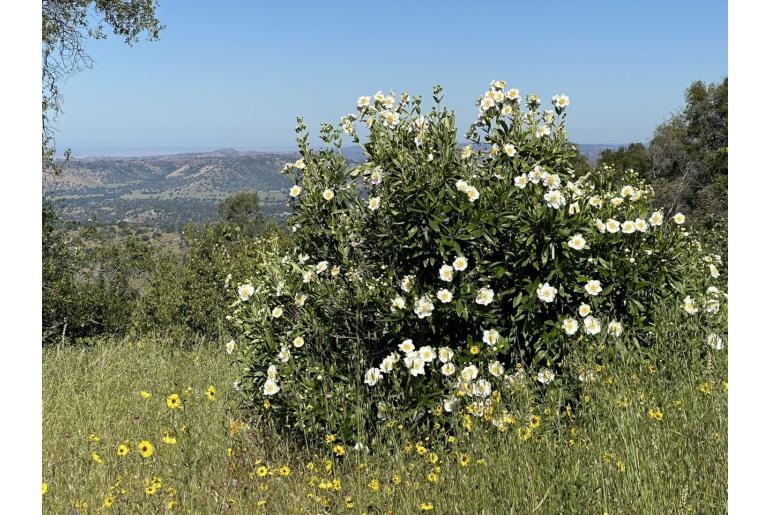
x=689, y=155
x=243, y=210
x=635, y=156
x=67, y=24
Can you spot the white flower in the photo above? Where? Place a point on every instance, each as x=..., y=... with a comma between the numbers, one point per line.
x=374, y=203
x=299, y=164
x=398, y=303
x=491, y=336
x=444, y=295
x=299, y=299
x=445, y=354
x=616, y=201
x=414, y=364
x=536, y=174
x=469, y=373
x=584, y=310
x=679, y=218
x=689, y=305
x=295, y=191
x=546, y=292
x=615, y=328
x=284, y=355
x=388, y=102
x=570, y=326
x=363, y=102
x=542, y=130
x=613, y=225
x=460, y=263
x=560, y=101
x=467, y=152
x=600, y=225
x=509, y=150
x=424, y=307
x=577, y=242
x=406, y=346
x=627, y=191
x=271, y=387
x=390, y=119
x=448, y=369
x=591, y=325
x=640, y=224
x=245, y=291
x=520, y=181
x=481, y=388
x=372, y=376
x=551, y=180
x=554, y=199
x=327, y=194
x=308, y=276
x=574, y=208
x=298, y=342
x=272, y=372
x=628, y=227
x=387, y=364
x=485, y=296
x=593, y=287
x=277, y=312
x=713, y=271
x=335, y=271
x=496, y=368
x=712, y=306
x=595, y=201
x=472, y=193
x=445, y=273
x=486, y=103
x=714, y=341
x=462, y=186
x=656, y=218
x=376, y=176
x=507, y=110
x=407, y=283
x=321, y=267
x=545, y=376
x=426, y=353
x=512, y=94
x=230, y=346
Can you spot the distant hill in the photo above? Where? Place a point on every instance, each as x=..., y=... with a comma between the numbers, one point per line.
x=170, y=191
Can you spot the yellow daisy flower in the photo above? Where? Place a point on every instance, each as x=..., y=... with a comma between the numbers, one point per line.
x=122, y=450
x=173, y=401
x=145, y=448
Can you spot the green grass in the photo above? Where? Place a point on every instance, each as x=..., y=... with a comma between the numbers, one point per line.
x=610, y=456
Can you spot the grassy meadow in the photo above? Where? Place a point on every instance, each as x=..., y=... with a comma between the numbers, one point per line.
x=648, y=435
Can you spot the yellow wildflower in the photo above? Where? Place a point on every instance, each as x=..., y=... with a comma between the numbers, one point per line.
x=145, y=448
x=173, y=401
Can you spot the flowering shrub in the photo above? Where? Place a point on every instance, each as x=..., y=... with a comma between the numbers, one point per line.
x=430, y=278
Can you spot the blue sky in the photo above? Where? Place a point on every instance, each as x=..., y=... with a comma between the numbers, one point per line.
x=237, y=73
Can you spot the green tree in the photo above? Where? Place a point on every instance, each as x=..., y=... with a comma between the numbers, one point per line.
x=634, y=156
x=67, y=24
x=689, y=155
x=243, y=210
